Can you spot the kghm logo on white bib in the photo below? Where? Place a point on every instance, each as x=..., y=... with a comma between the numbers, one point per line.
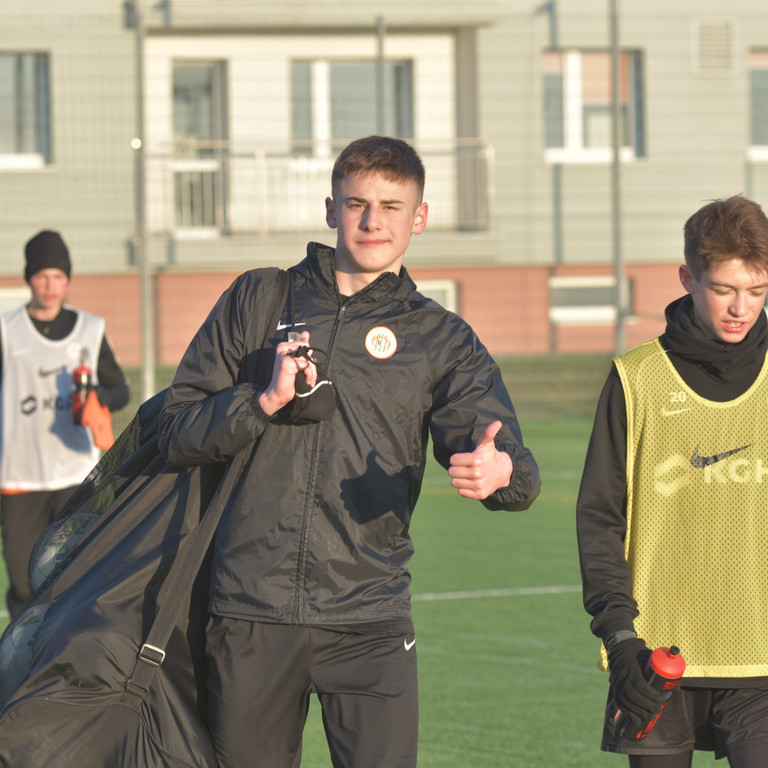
x=380, y=342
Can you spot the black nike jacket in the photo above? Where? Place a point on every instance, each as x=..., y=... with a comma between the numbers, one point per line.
x=317, y=530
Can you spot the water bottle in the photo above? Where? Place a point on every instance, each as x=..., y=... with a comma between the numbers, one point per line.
x=663, y=671
x=81, y=385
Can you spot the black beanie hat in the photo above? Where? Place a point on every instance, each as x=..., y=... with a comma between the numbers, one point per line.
x=46, y=250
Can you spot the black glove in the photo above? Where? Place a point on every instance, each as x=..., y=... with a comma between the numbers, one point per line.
x=310, y=405
x=631, y=691
x=318, y=403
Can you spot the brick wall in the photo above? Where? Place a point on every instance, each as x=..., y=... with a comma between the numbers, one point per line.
x=507, y=306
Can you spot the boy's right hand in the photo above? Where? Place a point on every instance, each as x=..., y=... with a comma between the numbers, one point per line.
x=631, y=691
x=282, y=388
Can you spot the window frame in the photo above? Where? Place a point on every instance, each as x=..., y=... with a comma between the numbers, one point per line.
x=40, y=99
x=573, y=109
x=442, y=290
x=199, y=169
x=757, y=152
x=315, y=120
x=587, y=300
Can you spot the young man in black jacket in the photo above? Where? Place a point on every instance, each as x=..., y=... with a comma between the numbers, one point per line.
x=672, y=529
x=310, y=585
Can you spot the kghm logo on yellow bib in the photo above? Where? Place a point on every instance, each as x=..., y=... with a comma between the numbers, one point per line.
x=380, y=342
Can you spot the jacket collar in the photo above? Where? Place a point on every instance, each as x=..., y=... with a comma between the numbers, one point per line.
x=320, y=264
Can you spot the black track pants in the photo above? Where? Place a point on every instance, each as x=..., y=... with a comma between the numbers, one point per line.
x=261, y=677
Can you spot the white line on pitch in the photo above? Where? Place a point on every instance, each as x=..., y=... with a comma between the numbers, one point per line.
x=510, y=592
x=470, y=594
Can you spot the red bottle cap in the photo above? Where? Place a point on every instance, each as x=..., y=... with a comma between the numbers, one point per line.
x=668, y=663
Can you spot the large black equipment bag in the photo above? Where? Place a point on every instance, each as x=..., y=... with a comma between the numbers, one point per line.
x=105, y=665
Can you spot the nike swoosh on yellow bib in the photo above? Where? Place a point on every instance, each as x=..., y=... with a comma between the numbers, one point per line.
x=705, y=461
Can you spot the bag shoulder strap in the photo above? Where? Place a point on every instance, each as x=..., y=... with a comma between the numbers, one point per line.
x=178, y=585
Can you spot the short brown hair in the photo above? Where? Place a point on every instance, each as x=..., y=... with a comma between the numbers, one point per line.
x=393, y=158
x=733, y=228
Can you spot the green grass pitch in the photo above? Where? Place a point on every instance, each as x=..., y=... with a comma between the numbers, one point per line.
x=507, y=680
x=507, y=664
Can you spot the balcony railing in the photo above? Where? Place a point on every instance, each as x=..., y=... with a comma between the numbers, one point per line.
x=218, y=187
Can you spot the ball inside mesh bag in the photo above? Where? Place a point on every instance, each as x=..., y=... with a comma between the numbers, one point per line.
x=55, y=544
x=16, y=648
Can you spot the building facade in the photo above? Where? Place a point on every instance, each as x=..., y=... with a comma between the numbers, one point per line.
x=176, y=144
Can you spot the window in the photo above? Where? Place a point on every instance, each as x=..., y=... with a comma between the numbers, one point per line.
x=10, y=298
x=199, y=128
x=578, y=105
x=758, y=81
x=194, y=112
x=444, y=292
x=25, y=120
x=586, y=299
x=336, y=101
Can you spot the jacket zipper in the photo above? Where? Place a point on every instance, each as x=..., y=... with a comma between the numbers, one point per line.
x=298, y=613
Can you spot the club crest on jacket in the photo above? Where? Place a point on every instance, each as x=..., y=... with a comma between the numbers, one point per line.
x=380, y=342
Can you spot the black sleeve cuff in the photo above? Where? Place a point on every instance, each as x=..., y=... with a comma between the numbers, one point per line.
x=261, y=414
x=613, y=640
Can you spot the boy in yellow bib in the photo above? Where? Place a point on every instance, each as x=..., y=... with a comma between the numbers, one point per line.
x=671, y=515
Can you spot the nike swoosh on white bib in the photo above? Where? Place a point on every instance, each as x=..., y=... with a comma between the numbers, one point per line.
x=283, y=326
